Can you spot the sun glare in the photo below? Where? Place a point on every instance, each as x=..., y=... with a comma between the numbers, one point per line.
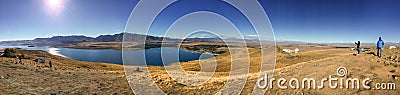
x=54, y=7
x=54, y=3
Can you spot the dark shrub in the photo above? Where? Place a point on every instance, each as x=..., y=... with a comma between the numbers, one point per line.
x=10, y=52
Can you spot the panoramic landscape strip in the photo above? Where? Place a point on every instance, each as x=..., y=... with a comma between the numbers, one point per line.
x=199, y=47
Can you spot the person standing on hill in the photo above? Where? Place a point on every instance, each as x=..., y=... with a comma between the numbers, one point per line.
x=358, y=47
x=20, y=59
x=379, y=46
x=51, y=66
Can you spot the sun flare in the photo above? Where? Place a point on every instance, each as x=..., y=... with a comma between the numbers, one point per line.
x=54, y=3
x=54, y=7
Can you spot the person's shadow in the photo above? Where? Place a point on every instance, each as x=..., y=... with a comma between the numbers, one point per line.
x=372, y=53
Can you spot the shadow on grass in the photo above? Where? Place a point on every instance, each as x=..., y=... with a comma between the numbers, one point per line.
x=372, y=53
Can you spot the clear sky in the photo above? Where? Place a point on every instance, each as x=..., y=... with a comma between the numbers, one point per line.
x=298, y=20
x=28, y=19
x=334, y=20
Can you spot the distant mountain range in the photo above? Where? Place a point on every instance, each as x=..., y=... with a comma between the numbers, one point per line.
x=101, y=38
x=66, y=40
x=336, y=44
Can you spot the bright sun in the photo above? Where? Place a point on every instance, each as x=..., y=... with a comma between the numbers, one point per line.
x=54, y=7
x=54, y=3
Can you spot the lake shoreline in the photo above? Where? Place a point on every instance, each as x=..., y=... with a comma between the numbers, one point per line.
x=56, y=52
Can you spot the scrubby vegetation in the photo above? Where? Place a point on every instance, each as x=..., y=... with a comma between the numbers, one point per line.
x=215, y=49
x=10, y=52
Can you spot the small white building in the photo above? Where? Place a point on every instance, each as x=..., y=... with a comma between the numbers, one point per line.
x=288, y=51
x=392, y=47
x=296, y=50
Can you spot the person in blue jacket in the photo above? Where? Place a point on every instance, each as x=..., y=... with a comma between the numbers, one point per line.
x=379, y=46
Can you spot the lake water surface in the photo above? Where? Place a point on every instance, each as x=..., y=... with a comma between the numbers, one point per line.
x=153, y=56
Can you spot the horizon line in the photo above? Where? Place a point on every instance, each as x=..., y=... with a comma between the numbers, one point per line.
x=298, y=41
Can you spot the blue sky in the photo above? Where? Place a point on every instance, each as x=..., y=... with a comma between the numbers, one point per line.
x=28, y=19
x=298, y=20
x=334, y=20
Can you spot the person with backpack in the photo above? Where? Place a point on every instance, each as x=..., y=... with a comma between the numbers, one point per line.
x=379, y=46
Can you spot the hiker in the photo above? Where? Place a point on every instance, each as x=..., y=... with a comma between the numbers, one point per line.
x=358, y=46
x=16, y=61
x=20, y=60
x=50, y=65
x=379, y=46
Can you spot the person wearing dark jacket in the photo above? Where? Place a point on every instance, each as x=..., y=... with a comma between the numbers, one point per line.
x=379, y=46
x=358, y=47
x=50, y=66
